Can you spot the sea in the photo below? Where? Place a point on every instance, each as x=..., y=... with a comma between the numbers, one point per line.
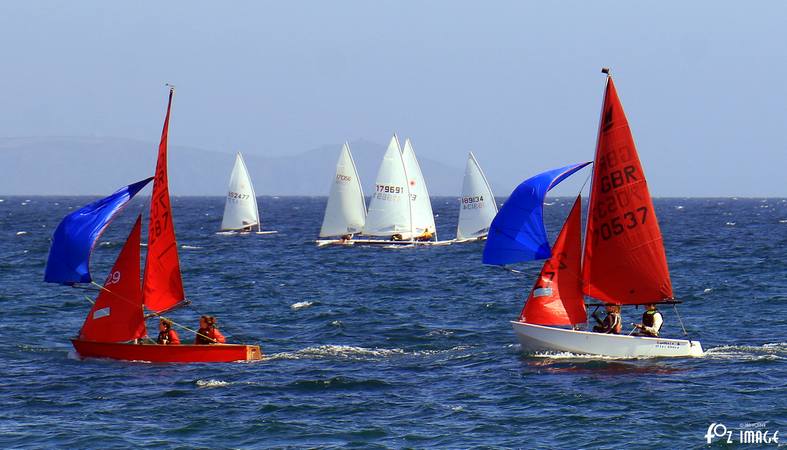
x=393, y=348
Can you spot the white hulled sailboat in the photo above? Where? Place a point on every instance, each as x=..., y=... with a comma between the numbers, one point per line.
x=240, y=209
x=477, y=206
x=345, y=213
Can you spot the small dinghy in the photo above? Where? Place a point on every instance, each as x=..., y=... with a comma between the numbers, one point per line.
x=116, y=322
x=241, y=214
x=623, y=262
x=345, y=213
x=477, y=206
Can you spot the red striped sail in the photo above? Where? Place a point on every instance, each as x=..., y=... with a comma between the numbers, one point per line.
x=556, y=298
x=117, y=315
x=624, y=260
x=163, y=286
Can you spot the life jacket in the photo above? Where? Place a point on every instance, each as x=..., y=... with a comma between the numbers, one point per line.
x=648, y=319
x=168, y=337
x=203, y=336
x=216, y=335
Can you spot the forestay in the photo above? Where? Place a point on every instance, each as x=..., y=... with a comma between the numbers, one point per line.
x=556, y=297
x=518, y=233
x=117, y=314
x=423, y=218
x=240, y=208
x=477, y=206
x=345, y=212
x=389, y=209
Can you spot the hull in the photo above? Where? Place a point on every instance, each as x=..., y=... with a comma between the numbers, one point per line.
x=539, y=338
x=243, y=233
x=186, y=353
x=385, y=243
x=464, y=241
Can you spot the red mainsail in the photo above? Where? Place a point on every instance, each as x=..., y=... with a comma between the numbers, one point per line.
x=556, y=298
x=117, y=315
x=163, y=286
x=624, y=260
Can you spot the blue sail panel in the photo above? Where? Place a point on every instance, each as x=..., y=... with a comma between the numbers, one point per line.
x=517, y=232
x=72, y=243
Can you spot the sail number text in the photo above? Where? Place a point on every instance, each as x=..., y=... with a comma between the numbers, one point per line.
x=619, y=224
x=386, y=189
x=475, y=202
x=237, y=196
x=343, y=178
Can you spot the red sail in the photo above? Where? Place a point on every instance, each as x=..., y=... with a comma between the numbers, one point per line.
x=556, y=298
x=117, y=314
x=624, y=259
x=163, y=286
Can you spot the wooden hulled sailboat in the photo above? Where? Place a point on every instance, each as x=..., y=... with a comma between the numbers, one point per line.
x=116, y=321
x=623, y=262
x=477, y=205
x=241, y=212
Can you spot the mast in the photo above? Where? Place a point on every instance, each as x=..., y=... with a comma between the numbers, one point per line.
x=409, y=193
x=162, y=285
x=624, y=260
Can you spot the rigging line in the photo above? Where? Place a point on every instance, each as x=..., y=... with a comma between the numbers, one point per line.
x=685, y=333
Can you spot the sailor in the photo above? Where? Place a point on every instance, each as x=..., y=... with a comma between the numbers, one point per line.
x=208, y=332
x=651, y=322
x=611, y=323
x=166, y=335
x=426, y=236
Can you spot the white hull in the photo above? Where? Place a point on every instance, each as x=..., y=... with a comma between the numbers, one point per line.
x=243, y=233
x=464, y=241
x=385, y=243
x=538, y=338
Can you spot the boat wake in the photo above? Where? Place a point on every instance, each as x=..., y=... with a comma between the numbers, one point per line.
x=355, y=353
x=765, y=352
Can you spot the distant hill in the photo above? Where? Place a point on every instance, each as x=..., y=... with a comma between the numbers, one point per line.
x=89, y=166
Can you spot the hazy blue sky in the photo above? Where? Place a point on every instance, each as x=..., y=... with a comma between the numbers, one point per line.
x=704, y=83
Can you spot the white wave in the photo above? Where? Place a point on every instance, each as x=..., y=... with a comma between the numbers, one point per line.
x=211, y=383
x=300, y=305
x=706, y=290
x=569, y=355
x=783, y=221
x=190, y=247
x=21, y=233
x=731, y=224
x=2, y=200
x=679, y=207
x=358, y=353
x=770, y=351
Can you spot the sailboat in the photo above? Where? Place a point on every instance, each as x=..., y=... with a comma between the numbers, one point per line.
x=345, y=213
x=116, y=322
x=422, y=216
x=623, y=263
x=396, y=204
x=240, y=209
x=477, y=206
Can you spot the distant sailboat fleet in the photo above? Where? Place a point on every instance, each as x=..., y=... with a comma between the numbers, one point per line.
x=622, y=260
x=400, y=211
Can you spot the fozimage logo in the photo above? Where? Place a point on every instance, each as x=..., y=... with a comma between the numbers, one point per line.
x=748, y=433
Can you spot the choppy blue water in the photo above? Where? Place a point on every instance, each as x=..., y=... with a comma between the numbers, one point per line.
x=370, y=347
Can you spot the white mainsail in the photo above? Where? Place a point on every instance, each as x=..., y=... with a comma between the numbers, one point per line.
x=389, y=210
x=423, y=218
x=477, y=206
x=240, y=209
x=345, y=212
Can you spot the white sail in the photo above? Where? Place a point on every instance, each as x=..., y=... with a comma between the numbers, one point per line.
x=345, y=212
x=389, y=209
x=423, y=218
x=477, y=206
x=240, y=209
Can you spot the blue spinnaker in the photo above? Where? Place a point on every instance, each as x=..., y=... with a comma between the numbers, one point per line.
x=517, y=232
x=72, y=243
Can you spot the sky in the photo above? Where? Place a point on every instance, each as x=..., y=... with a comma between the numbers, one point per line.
x=704, y=83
